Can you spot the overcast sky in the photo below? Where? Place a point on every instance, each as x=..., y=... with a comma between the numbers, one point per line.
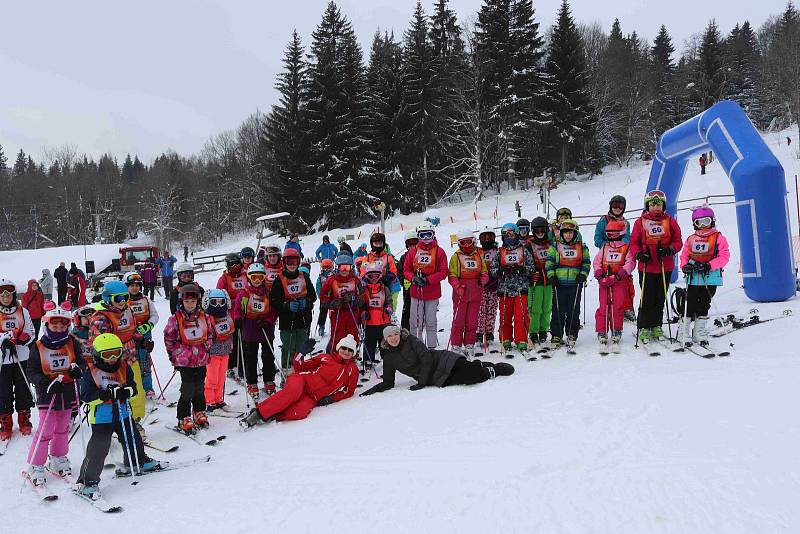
x=142, y=77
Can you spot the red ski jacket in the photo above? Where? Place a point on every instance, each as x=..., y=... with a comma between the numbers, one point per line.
x=328, y=374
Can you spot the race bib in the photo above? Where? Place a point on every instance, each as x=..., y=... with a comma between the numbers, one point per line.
x=238, y=284
x=9, y=324
x=512, y=257
x=257, y=305
x=374, y=302
x=58, y=361
x=193, y=333
x=471, y=264
x=124, y=322
x=223, y=327
x=701, y=247
x=137, y=308
x=424, y=259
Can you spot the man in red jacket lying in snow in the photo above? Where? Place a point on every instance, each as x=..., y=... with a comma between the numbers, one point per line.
x=314, y=381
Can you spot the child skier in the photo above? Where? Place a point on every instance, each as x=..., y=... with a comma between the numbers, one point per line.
x=616, y=212
x=612, y=267
x=16, y=334
x=326, y=271
x=55, y=363
x=185, y=274
x=188, y=336
x=316, y=381
x=106, y=389
x=380, y=256
x=272, y=265
x=702, y=260
x=146, y=316
x=489, y=300
x=540, y=294
x=468, y=273
x=340, y=296
x=377, y=306
x=426, y=268
x=217, y=304
x=567, y=268
x=256, y=321
x=513, y=267
x=561, y=215
x=293, y=297
x=655, y=239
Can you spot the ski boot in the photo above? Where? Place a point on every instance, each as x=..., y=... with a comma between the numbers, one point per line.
x=250, y=420
x=213, y=406
x=602, y=339
x=522, y=346
x=252, y=390
x=269, y=388
x=489, y=337
x=616, y=337
x=60, y=466
x=507, y=345
x=700, y=334
x=658, y=334
x=37, y=475
x=6, y=426
x=645, y=336
x=555, y=342
x=200, y=419
x=186, y=425
x=24, y=422
x=630, y=315
x=90, y=491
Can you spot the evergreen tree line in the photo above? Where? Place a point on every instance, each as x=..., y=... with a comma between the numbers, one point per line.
x=443, y=108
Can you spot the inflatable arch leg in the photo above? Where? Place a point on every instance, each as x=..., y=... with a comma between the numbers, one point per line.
x=759, y=185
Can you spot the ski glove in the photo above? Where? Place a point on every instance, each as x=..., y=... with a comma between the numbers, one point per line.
x=9, y=348
x=666, y=252
x=145, y=328
x=580, y=279
x=643, y=257
x=621, y=274
x=75, y=372
x=553, y=281
x=407, y=284
x=702, y=269
x=108, y=393
x=324, y=401
x=123, y=393
x=688, y=269
x=55, y=387
x=607, y=281
x=297, y=305
x=375, y=389
x=307, y=346
x=388, y=310
x=22, y=339
x=417, y=387
x=419, y=280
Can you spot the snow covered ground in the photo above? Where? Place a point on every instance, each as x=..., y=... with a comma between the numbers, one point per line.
x=624, y=443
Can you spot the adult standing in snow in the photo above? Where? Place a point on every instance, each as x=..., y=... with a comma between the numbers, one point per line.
x=426, y=267
x=77, y=279
x=616, y=212
x=344, y=248
x=46, y=283
x=327, y=250
x=185, y=252
x=360, y=252
x=702, y=164
x=314, y=381
x=166, y=264
x=411, y=242
x=33, y=301
x=655, y=239
x=62, y=276
x=407, y=354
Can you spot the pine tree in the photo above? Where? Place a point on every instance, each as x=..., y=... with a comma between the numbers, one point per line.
x=782, y=68
x=20, y=165
x=710, y=68
x=742, y=59
x=3, y=166
x=127, y=169
x=572, y=112
x=663, y=108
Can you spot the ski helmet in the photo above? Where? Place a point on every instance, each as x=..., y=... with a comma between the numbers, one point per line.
x=378, y=238
x=327, y=264
x=569, y=225
x=703, y=217
x=655, y=197
x=344, y=263
x=184, y=267
x=615, y=230
x=232, y=260
x=291, y=257
x=188, y=290
x=563, y=212
x=426, y=232
x=466, y=240
x=8, y=287
x=617, y=199
x=524, y=227
x=539, y=222
x=372, y=272
x=510, y=227
x=247, y=252
x=216, y=298
x=133, y=278
x=340, y=239
x=411, y=235
x=256, y=269
x=57, y=313
x=510, y=234
x=81, y=313
x=114, y=290
x=107, y=351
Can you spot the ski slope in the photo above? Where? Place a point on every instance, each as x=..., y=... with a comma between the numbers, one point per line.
x=624, y=443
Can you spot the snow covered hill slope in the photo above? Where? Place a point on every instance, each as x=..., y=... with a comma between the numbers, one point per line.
x=22, y=265
x=624, y=443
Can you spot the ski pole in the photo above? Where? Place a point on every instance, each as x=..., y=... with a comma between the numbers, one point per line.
x=572, y=325
x=80, y=421
x=684, y=321
x=453, y=323
x=666, y=300
x=239, y=357
x=641, y=307
x=610, y=314
x=155, y=373
x=25, y=377
x=133, y=437
x=40, y=430
x=84, y=418
x=174, y=372
x=584, y=307
x=558, y=312
x=126, y=444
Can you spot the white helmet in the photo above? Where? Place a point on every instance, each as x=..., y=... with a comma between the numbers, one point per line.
x=340, y=239
x=425, y=227
x=8, y=285
x=464, y=233
x=272, y=248
x=410, y=234
x=347, y=341
x=184, y=267
x=58, y=312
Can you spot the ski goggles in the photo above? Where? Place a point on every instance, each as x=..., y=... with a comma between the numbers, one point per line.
x=425, y=235
x=7, y=291
x=256, y=277
x=63, y=321
x=186, y=274
x=509, y=233
x=190, y=296
x=703, y=222
x=86, y=312
x=118, y=299
x=373, y=277
x=617, y=206
x=218, y=302
x=291, y=261
x=539, y=231
x=524, y=230
x=466, y=242
x=134, y=279
x=567, y=227
x=111, y=355
x=656, y=197
x=344, y=268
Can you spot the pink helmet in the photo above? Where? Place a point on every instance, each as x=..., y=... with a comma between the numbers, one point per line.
x=702, y=211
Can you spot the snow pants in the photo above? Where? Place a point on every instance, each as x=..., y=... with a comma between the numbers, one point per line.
x=466, y=373
x=13, y=389
x=290, y=342
x=193, y=398
x=290, y=403
x=465, y=316
x=343, y=322
x=250, y=357
x=611, y=310
x=698, y=300
x=514, y=318
x=138, y=402
x=373, y=335
x=54, y=431
x=540, y=307
x=487, y=315
x=423, y=317
x=652, y=301
x=630, y=294
x=143, y=357
x=100, y=442
x=215, y=379
x=567, y=304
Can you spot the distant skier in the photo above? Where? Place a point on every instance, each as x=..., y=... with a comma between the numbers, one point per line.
x=46, y=283
x=166, y=265
x=703, y=259
x=703, y=163
x=33, y=301
x=327, y=250
x=62, y=277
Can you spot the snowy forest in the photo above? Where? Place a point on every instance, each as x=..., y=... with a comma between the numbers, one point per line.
x=477, y=105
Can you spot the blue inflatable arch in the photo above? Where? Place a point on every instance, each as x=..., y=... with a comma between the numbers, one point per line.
x=759, y=185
